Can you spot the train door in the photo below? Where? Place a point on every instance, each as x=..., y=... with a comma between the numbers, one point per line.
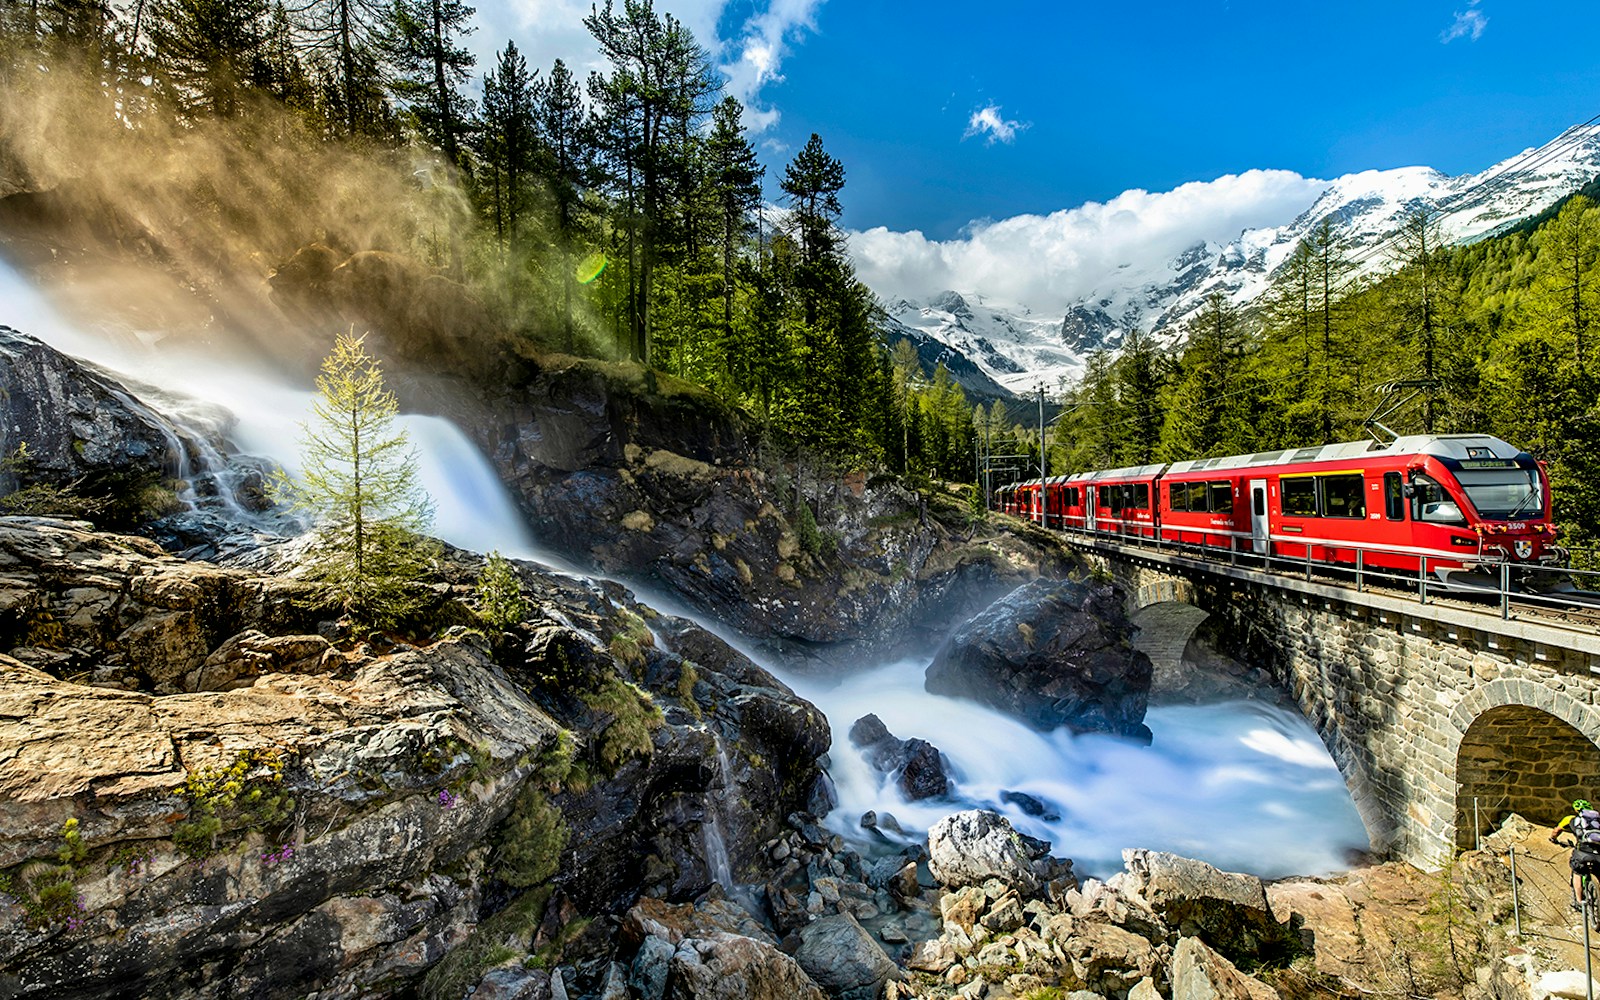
x=1258, y=517
x=1090, y=507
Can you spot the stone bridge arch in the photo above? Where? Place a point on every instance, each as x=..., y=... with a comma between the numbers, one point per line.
x=1522, y=747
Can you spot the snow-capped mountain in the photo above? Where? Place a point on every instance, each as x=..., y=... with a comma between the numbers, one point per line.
x=1020, y=348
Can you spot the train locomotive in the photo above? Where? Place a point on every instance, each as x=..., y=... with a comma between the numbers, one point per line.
x=1459, y=507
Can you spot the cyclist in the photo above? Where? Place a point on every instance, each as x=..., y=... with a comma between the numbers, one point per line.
x=1584, y=825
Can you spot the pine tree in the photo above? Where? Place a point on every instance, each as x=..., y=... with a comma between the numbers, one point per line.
x=735, y=178
x=1206, y=406
x=566, y=161
x=651, y=103
x=210, y=51
x=1417, y=249
x=1568, y=287
x=1140, y=376
x=341, y=38
x=422, y=42
x=813, y=182
x=359, y=482
x=509, y=92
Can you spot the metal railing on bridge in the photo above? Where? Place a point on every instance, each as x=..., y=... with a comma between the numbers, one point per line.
x=1572, y=607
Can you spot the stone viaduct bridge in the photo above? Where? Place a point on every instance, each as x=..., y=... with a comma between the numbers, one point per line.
x=1427, y=708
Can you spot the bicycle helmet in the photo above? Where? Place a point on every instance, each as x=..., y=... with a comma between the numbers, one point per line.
x=1579, y=805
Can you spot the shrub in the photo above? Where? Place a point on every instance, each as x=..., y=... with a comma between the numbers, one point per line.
x=500, y=601
x=630, y=642
x=247, y=793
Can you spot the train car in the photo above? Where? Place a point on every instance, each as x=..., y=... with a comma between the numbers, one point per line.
x=1201, y=503
x=1459, y=505
x=1116, y=501
x=1061, y=504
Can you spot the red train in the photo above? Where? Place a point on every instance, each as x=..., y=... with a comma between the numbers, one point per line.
x=1466, y=503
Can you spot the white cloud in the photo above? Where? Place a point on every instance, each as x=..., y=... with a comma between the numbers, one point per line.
x=750, y=59
x=755, y=58
x=989, y=123
x=1468, y=23
x=1050, y=262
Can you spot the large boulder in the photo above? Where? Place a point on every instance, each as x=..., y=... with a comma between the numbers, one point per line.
x=731, y=967
x=839, y=954
x=78, y=423
x=968, y=848
x=1198, y=973
x=1228, y=910
x=916, y=766
x=1051, y=653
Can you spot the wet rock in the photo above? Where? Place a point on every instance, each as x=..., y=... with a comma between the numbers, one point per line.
x=1051, y=653
x=1198, y=973
x=1031, y=805
x=731, y=967
x=513, y=984
x=651, y=966
x=969, y=847
x=839, y=954
x=916, y=765
x=1228, y=910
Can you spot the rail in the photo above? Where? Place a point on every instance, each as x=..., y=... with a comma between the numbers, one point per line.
x=1575, y=610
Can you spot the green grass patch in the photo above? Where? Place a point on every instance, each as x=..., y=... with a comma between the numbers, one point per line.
x=495, y=941
x=634, y=719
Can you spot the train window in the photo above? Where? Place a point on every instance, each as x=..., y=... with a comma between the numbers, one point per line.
x=1221, y=497
x=1177, y=496
x=1344, y=496
x=1072, y=496
x=1299, y=496
x=1394, y=497
x=1433, y=503
x=1142, y=496
x=1261, y=501
x=1197, y=497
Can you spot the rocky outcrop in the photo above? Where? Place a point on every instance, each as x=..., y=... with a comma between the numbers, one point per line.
x=1052, y=653
x=1228, y=910
x=283, y=808
x=916, y=766
x=971, y=847
x=77, y=424
x=117, y=611
x=840, y=956
x=1198, y=973
x=645, y=475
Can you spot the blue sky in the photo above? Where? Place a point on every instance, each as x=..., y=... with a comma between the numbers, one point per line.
x=947, y=115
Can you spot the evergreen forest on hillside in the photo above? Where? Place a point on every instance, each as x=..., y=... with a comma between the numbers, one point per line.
x=623, y=217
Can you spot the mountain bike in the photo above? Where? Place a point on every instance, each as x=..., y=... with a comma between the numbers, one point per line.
x=1590, y=884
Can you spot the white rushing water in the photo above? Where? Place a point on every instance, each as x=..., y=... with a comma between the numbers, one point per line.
x=1244, y=785
x=472, y=508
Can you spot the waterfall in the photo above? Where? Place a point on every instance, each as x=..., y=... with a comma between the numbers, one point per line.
x=472, y=509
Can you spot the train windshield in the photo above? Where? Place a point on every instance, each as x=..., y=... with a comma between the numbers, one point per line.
x=1503, y=494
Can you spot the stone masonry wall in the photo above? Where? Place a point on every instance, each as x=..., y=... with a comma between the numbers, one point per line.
x=1395, y=698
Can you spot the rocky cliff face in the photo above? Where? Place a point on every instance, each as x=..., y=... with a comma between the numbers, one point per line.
x=653, y=478
x=200, y=795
